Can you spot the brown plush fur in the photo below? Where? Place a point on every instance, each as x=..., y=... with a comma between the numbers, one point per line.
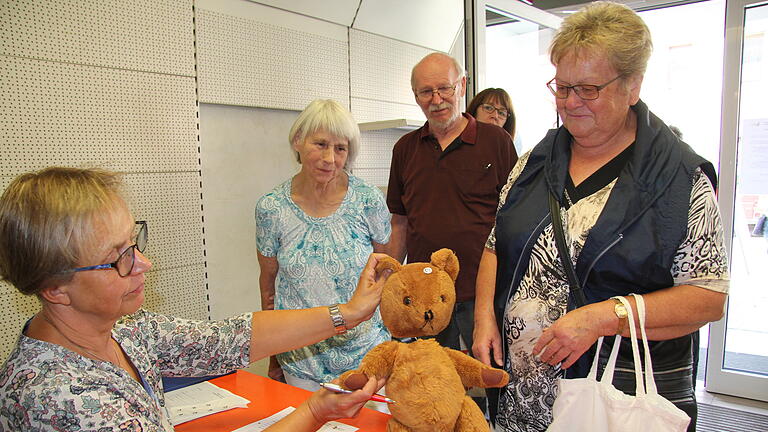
x=427, y=381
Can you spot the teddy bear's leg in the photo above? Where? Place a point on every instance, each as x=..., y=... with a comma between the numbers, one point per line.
x=471, y=419
x=395, y=426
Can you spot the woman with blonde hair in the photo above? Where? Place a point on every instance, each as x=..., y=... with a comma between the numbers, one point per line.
x=638, y=214
x=92, y=358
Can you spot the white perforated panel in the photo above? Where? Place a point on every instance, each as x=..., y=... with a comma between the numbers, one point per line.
x=251, y=63
x=380, y=68
x=366, y=110
x=65, y=114
x=111, y=84
x=180, y=292
x=372, y=163
x=17, y=309
x=147, y=35
x=170, y=203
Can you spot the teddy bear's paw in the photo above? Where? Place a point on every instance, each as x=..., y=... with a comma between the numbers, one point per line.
x=355, y=381
x=495, y=377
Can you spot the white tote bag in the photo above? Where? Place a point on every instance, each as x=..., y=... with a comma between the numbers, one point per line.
x=586, y=404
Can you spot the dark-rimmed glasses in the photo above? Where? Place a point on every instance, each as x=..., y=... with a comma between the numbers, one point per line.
x=425, y=95
x=584, y=91
x=490, y=108
x=126, y=260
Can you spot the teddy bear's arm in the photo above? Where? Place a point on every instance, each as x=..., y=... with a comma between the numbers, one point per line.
x=378, y=362
x=474, y=373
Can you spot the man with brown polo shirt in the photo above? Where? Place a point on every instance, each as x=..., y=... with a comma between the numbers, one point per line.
x=444, y=183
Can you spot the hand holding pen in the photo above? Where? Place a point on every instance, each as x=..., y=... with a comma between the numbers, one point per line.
x=337, y=389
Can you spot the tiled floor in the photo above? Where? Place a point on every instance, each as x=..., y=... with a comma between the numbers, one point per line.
x=757, y=407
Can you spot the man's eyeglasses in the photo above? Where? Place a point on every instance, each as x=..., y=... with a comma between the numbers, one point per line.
x=584, y=91
x=490, y=108
x=126, y=260
x=425, y=95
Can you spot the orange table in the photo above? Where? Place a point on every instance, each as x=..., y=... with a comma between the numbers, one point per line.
x=268, y=397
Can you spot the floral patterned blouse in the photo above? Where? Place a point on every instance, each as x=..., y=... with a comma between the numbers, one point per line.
x=46, y=387
x=319, y=263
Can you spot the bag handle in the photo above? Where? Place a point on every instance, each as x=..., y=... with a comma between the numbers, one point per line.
x=611, y=365
x=650, y=383
x=576, y=292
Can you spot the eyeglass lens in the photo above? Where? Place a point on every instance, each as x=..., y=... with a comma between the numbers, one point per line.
x=490, y=108
x=584, y=91
x=127, y=259
x=444, y=92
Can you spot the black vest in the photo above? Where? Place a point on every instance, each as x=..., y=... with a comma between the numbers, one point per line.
x=632, y=246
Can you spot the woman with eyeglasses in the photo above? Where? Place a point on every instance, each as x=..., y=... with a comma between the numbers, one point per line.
x=494, y=106
x=91, y=358
x=638, y=214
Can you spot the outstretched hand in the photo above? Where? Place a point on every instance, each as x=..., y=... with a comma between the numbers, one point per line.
x=326, y=405
x=367, y=296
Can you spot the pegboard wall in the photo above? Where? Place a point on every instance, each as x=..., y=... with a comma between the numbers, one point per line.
x=380, y=82
x=380, y=69
x=246, y=62
x=146, y=35
x=110, y=84
x=372, y=163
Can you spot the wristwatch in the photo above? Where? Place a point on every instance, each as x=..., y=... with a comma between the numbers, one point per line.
x=621, y=311
x=339, y=324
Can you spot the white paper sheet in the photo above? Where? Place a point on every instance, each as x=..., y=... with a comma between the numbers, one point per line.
x=200, y=400
x=264, y=423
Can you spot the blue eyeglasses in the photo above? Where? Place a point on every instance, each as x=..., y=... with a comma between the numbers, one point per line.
x=126, y=260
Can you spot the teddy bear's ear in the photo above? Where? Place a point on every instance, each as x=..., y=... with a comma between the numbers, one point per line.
x=388, y=263
x=446, y=260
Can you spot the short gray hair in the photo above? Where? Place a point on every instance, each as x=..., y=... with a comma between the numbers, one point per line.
x=329, y=116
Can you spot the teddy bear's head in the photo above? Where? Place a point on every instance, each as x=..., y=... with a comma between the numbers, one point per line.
x=418, y=298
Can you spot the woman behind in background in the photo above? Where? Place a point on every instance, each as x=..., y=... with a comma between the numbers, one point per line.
x=314, y=233
x=493, y=105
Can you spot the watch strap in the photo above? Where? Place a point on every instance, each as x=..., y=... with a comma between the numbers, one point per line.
x=621, y=312
x=339, y=324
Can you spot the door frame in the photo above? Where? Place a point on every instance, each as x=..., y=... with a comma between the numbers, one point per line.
x=474, y=11
x=718, y=379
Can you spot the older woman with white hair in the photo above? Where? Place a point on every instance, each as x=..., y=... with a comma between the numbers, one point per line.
x=610, y=203
x=314, y=233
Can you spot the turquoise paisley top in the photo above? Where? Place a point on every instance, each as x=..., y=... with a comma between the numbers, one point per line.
x=319, y=263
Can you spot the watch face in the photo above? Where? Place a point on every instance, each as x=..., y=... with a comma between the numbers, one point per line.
x=621, y=310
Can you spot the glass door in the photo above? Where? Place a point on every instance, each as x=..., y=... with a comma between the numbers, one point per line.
x=511, y=53
x=737, y=359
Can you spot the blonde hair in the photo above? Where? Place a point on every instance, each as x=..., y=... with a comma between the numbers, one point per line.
x=609, y=28
x=47, y=222
x=329, y=116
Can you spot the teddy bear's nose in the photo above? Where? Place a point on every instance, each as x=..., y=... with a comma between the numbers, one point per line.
x=428, y=315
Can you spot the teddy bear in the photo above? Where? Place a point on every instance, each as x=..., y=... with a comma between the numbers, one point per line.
x=427, y=381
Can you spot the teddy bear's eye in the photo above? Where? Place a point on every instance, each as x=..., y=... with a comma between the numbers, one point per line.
x=442, y=298
x=407, y=301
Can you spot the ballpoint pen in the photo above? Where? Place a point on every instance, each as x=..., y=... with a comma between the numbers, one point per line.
x=336, y=389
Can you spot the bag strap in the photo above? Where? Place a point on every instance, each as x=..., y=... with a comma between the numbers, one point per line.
x=576, y=292
x=610, y=366
x=650, y=383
